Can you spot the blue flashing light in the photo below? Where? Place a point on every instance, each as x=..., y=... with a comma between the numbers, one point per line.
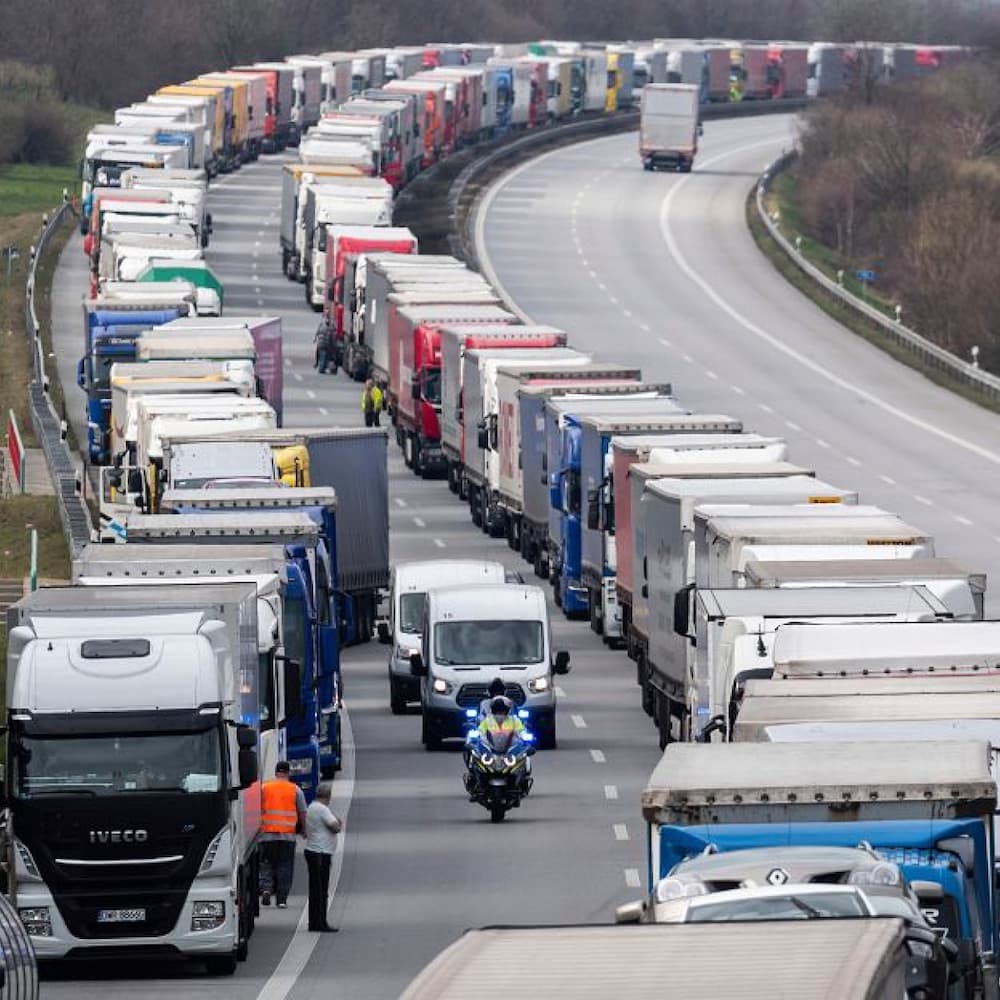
x=528, y=737
x=471, y=713
x=522, y=713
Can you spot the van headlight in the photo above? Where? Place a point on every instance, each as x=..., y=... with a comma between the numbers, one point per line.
x=442, y=686
x=405, y=652
x=538, y=685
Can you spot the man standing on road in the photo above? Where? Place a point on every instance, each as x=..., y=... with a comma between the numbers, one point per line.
x=322, y=828
x=283, y=815
x=371, y=404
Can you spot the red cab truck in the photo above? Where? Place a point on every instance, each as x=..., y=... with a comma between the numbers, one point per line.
x=431, y=116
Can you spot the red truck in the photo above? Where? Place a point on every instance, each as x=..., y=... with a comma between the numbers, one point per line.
x=414, y=391
x=342, y=242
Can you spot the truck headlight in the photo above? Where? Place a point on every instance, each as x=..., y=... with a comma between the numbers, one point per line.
x=207, y=915
x=37, y=921
x=442, y=686
x=301, y=765
x=538, y=685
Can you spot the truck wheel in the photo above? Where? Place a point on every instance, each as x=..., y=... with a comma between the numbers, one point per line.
x=596, y=624
x=557, y=591
x=407, y=450
x=221, y=965
x=416, y=463
x=452, y=479
x=397, y=703
x=541, y=571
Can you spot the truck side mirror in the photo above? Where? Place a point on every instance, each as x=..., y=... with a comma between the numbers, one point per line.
x=417, y=666
x=483, y=436
x=291, y=671
x=630, y=913
x=682, y=611
x=384, y=635
x=247, y=767
x=246, y=737
x=593, y=510
x=561, y=665
x=555, y=492
x=81, y=377
x=415, y=385
x=134, y=481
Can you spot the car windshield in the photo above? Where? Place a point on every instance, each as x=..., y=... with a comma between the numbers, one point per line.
x=411, y=613
x=808, y=906
x=118, y=764
x=484, y=643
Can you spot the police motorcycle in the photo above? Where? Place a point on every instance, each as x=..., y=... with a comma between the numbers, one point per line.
x=498, y=772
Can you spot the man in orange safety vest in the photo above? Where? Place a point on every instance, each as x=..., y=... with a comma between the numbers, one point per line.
x=283, y=816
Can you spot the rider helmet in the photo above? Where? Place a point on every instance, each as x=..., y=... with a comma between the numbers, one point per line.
x=500, y=706
x=497, y=688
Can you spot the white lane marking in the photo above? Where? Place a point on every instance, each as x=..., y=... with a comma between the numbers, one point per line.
x=852, y=461
x=288, y=362
x=579, y=721
x=962, y=520
x=323, y=410
x=256, y=243
x=737, y=390
x=765, y=407
x=665, y=342
x=621, y=831
x=297, y=376
x=632, y=879
x=644, y=327
x=597, y=756
x=302, y=943
x=627, y=313
x=888, y=480
x=311, y=393
x=822, y=443
x=711, y=375
x=260, y=303
x=923, y=500
x=688, y=358
x=440, y=544
x=779, y=345
x=611, y=792
x=420, y=522
x=256, y=289
x=400, y=502
x=792, y=425
x=559, y=692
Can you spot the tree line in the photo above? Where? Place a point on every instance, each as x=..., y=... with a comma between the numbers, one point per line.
x=114, y=52
x=908, y=185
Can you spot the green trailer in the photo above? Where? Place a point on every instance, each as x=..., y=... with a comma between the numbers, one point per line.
x=210, y=292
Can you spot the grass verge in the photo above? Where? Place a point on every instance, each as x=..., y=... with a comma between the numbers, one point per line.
x=18, y=514
x=848, y=317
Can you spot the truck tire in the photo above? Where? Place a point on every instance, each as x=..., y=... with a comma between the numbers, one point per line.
x=557, y=590
x=221, y=965
x=596, y=621
x=285, y=260
x=397, y=703
x=541, y=570
x=452, y=478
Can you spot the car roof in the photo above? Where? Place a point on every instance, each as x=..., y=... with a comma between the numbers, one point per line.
x=793, y=859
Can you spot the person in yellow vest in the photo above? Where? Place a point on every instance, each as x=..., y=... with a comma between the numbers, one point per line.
x=283, y=817
x=372, y=402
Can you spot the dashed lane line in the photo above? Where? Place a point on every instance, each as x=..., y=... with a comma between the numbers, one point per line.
x=597, y=756
x=578, y=721
x=611, y=792
x=621, y=831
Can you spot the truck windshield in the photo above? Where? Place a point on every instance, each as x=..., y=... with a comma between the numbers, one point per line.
x=812, y=906
x=483, y=643
x=411, y=613
x=432, y=386
x=118, y=764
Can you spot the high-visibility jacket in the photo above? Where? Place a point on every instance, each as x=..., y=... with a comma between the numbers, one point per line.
x=492, y=726
x=278, y=807
x=371, y=400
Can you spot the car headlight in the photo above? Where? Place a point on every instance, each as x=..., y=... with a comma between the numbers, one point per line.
x=207, y=915
x=668, y=889
x=538, y=685
x=883, y=873
x=442, y=686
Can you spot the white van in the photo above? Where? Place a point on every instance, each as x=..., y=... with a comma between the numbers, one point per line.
x=407, y=587
x=473, y=634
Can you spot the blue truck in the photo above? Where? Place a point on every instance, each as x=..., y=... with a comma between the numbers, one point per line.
x=927, y=806
x=310, y=601
x=567, y=499
x=111, y=328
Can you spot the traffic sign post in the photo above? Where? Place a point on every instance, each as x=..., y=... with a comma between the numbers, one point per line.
x=866, y=278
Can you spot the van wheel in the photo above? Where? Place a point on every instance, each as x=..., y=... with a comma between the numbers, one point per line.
x=430, y=739
x=397, y=703
x=547, y=736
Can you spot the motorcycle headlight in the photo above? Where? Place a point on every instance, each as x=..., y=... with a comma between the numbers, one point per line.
x=442, y=686
x=538, y=685
x=487, y=759
x=528, y=737
x=510, y=760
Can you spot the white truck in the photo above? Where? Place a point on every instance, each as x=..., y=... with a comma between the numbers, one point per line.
x=133, y=780
x=405, y=627
x=473, y=634
x=669, y=126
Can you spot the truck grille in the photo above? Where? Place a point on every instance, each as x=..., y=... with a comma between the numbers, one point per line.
x=471, y=695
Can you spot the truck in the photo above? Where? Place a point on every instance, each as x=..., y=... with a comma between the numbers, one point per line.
x=113, y=694
x=216, y=117
x=342, y=241
x=104, y=162
x=749, y=959
x=472, y=635
x=210, y=293
x=455, y=341
x=669, y=126
x=925, y=806
x=732, y=633
x=246, y=91
x=787, y=71
x=410, y=109
x=430, y=97
x=307, y=89
x=387, y=117
x=351, y=460
x=111, y=327
x=295, y=178
x=279, y=109
x=126, y=255
x=663, y=449
x=170, y=127
x=268, y=341
x=963, y=591
x=512, y=438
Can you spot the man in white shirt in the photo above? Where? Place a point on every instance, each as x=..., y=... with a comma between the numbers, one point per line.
x=322, y=828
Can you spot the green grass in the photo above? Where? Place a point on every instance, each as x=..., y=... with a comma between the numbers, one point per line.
x=27, y=187
x=783, y=197
x=18, y=515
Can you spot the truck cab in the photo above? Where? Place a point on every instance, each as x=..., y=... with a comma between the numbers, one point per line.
x=472, y=634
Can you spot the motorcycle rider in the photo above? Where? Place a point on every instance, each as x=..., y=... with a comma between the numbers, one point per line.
x=497, y=689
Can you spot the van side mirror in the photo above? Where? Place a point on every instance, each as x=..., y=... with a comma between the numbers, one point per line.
x=682, y=611
x=292, y=677
x=593, y=510
x=384, y=635
x=561, y=665
x=417, y=666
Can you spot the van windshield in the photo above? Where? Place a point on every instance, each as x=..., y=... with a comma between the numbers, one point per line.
x=411, y=613
x=484, y=643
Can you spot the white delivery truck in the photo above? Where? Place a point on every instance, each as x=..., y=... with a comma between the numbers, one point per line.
x=668, y=126
x=404, y=630
x=133, y=788
x=473, y=634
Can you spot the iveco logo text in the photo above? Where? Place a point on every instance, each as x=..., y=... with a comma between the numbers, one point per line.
x=118, y=836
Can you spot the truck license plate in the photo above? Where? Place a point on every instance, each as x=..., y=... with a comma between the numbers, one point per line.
x=121, y=916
